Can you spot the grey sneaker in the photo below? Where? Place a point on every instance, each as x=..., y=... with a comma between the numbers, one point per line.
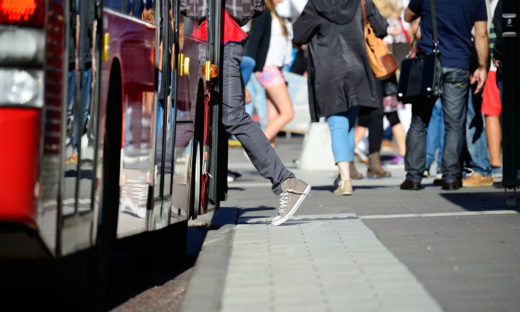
x=293, y=194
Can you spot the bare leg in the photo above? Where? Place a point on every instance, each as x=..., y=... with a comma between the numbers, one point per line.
x=400, y=138
x=344, y=170
x=494, y=139
x=359, y=134
x=272, y=114
x=280, y=101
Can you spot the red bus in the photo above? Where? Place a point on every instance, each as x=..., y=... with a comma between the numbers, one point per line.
x=109, y=123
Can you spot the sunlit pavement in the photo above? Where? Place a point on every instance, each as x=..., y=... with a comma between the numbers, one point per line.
x=381, y=249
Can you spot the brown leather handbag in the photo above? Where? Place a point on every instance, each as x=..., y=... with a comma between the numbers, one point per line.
x=381, y=60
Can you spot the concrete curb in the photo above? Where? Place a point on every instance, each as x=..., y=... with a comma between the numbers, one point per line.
x=205, y=288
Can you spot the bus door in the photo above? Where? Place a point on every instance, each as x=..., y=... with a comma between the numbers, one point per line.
x=80, y=112
x=186, y=88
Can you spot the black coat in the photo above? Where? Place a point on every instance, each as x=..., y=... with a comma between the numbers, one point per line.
x=340, y=76
x=257, y=44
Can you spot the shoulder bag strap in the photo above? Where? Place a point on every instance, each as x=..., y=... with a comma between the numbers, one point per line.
x=407, y=38
x=364, y=12
x=434, y=26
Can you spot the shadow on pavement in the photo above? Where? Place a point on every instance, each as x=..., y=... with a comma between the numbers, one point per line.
x=64, y=284
x=479, y=201
x=331, y=188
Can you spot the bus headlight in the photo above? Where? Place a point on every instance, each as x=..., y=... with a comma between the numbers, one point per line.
x=21, y=87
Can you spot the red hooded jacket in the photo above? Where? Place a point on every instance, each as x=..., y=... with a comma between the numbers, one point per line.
x=232, y=31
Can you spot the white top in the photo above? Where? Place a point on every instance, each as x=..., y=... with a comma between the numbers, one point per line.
x=280, y=47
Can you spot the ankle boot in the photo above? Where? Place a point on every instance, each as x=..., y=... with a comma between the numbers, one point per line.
x=354, y=173
x=374, y=166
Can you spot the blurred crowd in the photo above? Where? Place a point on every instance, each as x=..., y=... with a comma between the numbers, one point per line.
x=456, y=138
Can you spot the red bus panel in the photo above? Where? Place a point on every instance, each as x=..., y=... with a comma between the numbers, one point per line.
x=19, y=154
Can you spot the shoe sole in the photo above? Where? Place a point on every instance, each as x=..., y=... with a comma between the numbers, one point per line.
x=477, y=185
x=281, y=220
x=345, y=193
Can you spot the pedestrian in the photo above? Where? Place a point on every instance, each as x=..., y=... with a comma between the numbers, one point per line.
x=491, y=98
x=455, y=21
x=371, y=118
x=237, y=122
x=279, y=54
x=340, y=76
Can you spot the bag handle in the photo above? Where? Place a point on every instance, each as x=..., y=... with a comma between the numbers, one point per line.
x=434, y=26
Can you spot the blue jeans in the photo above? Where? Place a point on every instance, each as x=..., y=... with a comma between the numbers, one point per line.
x=476, y=141
x=87, y=80
x=435, y=136
x=341, y=128
x=247, y=66
x=259, y=104
x=454, y=103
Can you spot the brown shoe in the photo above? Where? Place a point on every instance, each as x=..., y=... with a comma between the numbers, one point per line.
x=72, y=159
x=410, y=185
x=374, y=166
x=452, y=186
x=476, y=180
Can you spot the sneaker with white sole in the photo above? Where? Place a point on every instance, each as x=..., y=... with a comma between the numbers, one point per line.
x=294, y=192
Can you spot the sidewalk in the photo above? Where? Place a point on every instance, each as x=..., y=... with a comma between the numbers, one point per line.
x=381, y=249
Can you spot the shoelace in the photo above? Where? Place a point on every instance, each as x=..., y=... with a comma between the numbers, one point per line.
x=284, y=199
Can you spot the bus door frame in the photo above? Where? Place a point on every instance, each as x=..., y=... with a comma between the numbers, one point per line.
x=511, y=98
x=162, y=189
x=219, y=138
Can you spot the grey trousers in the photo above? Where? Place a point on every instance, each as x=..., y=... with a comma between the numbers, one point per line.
x=238, y=123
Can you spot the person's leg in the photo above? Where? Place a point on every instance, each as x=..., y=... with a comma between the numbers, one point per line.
x=259, y=100
x=454, y=102
x=494, y=136
x=375, y=137
x=272, y=114
x=341, y=128
x=237, y=122
x=375, y=130
x=360, y=131
x=247, y=65
x=86, y=97
x=415, y=158
x=492, y=108
x=434, y=128
x=398, y=131
x=70, y=92
x=476, y=144
x=279, y=110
